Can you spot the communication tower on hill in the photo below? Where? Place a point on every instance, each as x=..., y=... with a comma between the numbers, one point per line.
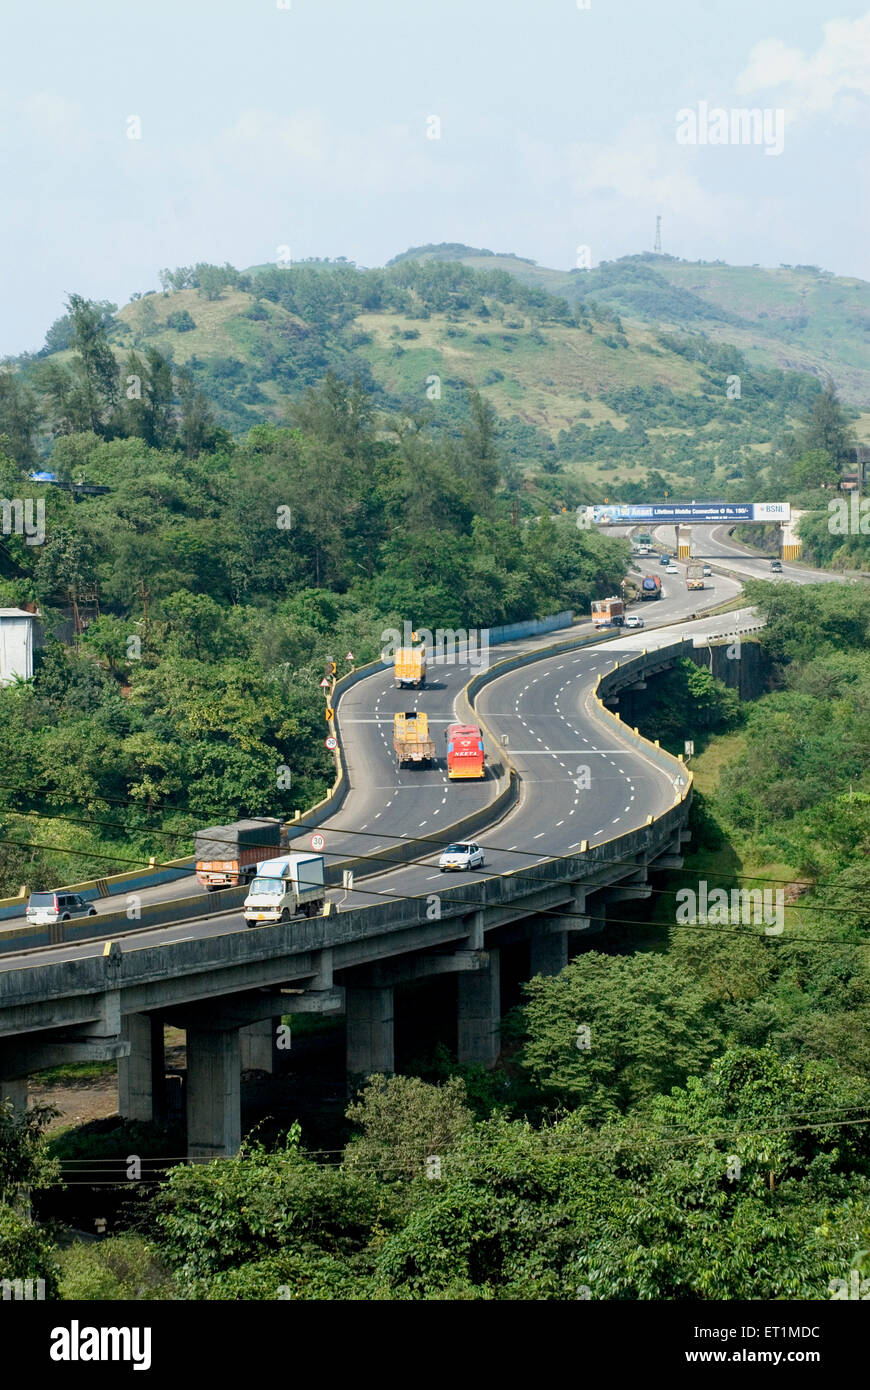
x=658, y=246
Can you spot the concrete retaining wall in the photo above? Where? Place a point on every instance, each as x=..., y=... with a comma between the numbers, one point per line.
x=514, y=632
x=117, y=923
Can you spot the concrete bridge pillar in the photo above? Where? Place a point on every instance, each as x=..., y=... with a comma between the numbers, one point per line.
x=790, y=542
x=548, y=953
x=684, y=540
x=479, y=1002
x=369, y=1017
x=257, y=1045
x=141, y=1078
x=214, y=1115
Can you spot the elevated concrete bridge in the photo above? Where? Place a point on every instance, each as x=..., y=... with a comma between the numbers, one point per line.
x=229, y=991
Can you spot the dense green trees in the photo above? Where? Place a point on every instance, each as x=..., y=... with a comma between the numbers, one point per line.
x=211, y=580
x=26, y=1249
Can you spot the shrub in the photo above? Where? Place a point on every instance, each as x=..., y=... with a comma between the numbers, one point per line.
x=123, y=1268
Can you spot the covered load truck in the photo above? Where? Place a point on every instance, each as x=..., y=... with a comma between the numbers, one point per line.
x=411, y=739
x=651, y=586
x=285, y=888
x=227, y=855
x=695, y=574
x=410, y=667
x=608, y=612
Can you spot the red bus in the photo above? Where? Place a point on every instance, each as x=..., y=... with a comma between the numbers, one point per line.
x=464, y=751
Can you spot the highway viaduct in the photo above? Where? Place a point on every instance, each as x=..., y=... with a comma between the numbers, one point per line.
x=229, y=991
x=228, y=987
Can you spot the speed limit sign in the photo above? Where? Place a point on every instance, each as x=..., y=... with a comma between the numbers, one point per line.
x=317, y=842
x=331, y=742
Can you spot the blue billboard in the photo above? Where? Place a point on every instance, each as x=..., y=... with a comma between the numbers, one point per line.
x=701, y=513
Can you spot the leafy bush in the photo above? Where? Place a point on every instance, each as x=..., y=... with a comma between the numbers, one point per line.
x=120, y=1268
x=180, y=320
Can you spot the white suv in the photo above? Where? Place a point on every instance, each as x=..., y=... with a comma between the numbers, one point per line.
x=634, y=620
x=461, y=856
x=47, y=908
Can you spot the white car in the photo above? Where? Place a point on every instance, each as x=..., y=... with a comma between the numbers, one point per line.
x=672, y=569
x=707, y=571
x=461, y=856
x=634, y=620
x=44, y=909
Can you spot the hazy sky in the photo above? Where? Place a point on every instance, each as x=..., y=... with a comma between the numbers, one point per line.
x=307, y=126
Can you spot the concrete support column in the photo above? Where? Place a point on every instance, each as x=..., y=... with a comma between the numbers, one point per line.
x=214, y=1116
x=15, y=1089
x=257, y=1044
x=598, y=921
x=141, y=1079
x=548, y=950
x=369, y=1015
x=790, y=541
x=479, y=1002
x=684, y=540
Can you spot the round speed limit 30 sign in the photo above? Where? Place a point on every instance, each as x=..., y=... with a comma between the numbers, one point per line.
x=331, y=742
x=317, y=842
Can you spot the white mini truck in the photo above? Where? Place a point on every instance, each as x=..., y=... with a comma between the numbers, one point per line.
x=285, y=888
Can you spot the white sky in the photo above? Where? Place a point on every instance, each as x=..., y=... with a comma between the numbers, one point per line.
x=306, y=127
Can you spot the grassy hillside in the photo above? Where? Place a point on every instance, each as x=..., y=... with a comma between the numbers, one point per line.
x=597, y=378
x=794, y=317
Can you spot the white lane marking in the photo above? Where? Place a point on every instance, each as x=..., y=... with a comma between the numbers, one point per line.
x=541, y=836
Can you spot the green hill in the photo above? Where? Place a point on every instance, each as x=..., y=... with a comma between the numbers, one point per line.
x=605, y=375
x=794, y=317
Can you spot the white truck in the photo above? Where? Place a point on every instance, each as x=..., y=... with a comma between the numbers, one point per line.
x=284, y=888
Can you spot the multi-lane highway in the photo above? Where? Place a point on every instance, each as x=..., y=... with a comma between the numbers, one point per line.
x=578, y=782
x=717, y=544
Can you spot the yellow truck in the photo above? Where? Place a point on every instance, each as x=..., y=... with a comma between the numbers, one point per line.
x=410, y=667
x=411, y=739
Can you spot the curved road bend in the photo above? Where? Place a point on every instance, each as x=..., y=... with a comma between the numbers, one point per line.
x=546, y=703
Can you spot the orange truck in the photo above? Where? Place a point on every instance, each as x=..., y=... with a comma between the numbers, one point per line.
x=411, y=740
x=465, y=751
x=227, y=855
x=410, y=667
x=608, y=612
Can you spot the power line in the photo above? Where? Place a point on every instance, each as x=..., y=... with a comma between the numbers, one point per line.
x=522, y=912
x=299, y=827
x=592, y=1139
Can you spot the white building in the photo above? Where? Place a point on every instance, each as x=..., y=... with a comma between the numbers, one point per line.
x=16, y=644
